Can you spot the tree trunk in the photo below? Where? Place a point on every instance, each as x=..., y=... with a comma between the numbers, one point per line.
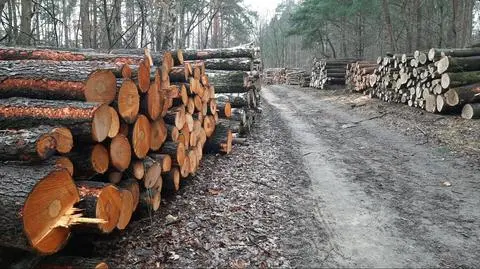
x=471, y=111
x=386, y=15
x=85, y=24
x=463, y=95
x=25, y=35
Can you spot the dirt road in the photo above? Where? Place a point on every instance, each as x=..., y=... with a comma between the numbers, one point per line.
x=379, y=194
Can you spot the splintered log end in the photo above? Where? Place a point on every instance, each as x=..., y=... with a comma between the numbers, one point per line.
x=144, y=76
x=185, y=167
x=46, y=146
x=120, y=152
x=151, y=199
x=141, y=137
x=159, y=134
x=51, y=198
x=99, y=159
x=189, y=121
x=101, y=124
x=128, y=101
x=115, y=124
x=168, y=60
x=126, y=209
x=101, y=86
x=64, y=139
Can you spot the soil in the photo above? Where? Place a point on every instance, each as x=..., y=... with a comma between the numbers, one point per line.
x=326, y=179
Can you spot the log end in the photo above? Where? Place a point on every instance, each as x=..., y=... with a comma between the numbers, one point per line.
x=101, y=86
x=99, y=159
x=128, y=101
x=141, y=137
x=101, y=124
x=46, y=146
x=126, y=209
x=120, y=152
x=64, y=139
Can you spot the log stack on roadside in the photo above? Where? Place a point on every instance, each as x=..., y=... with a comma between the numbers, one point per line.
x=329, y=72
x=438, y=80
x=235, y=72
x=297, y=76
x=274, y=76
x=357, y=76
x=89, y=138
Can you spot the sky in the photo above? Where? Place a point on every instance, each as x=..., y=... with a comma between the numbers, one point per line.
x=265, y=8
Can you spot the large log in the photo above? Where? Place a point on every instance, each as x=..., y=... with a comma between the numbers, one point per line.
x=90, y=161
x=100, y=201
x=463, y=95
x=241, y=64
x=58, y=55
x=84, y=81
x=237, y=52
x=120, y=152
x=452, y=64
x=32, y=144
x=128, y=101
x=471, y=111
x=131, y=185
x=466, y=52
x=140, y=137
x=227, y=81
x=84, y=119
x=36, y=207
x=452, y=80
x=221, y=140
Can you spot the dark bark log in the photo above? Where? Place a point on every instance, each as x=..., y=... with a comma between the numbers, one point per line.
x=434, y=54
x=84, y=119
x=241, y=64
x=471, y=111
x=237, y=52
x=34, y=198
x=221, y=140
x=89, y=161
x=463, y=95
x=450, y=64
x=452, y=80
x=131, y=185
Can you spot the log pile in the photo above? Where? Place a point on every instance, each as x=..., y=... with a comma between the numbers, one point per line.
x=274, y=76
x=438, y=80
x=89, y=138
x=329, y=72
x=297, y=76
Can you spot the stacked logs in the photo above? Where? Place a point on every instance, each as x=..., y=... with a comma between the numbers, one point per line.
x=357, y=76
x=274, y=76
x=297, y=76
x=439, y=81
x=329, y=72
x=235, y=72
x=88, y=138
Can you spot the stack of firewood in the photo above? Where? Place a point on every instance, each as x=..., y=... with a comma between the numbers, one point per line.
x=274, y=76
x=297, y=76
x=88, y=138
x=439, y=81
x=329, y=72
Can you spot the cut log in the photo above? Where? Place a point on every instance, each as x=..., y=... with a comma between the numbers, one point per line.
x=452, y=80
x=120, y=152
x=90, y=161
x=158, y=134
x=131, y=185
x=224, y=109
x=463, y=95
x=164, y=159
x=171, y=181
x=153, y=171
x=126, y=209
x=221, y=140
x=241, y=64
x=176, y=151
x=237, y=52
x=81, y=81
x=83, y=119
x=141, y=137
x=33, y=144
x=471, y=111
x=115, y=124
x=58, y=55
x=128, y=101
x=72, y=262
x=227, y=81
x=115, y=176
x=451, y=64
x=62, y=162
x=152, y=102
x=37, y=207
x=179, y=74
x=150, y=200
x=101, y=201
x=434, y=54
x=176, y=116
x=209, y=125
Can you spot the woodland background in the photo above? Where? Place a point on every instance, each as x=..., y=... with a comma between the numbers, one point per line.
x=298, y=31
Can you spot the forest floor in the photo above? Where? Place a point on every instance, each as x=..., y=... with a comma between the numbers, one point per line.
x=327, y=179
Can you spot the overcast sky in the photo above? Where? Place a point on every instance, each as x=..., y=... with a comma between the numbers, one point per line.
x=265, y=8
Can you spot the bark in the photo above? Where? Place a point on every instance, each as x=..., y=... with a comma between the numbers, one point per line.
x=221, y=140
x=471, y=111
x=434, y=54
x=463, y=95
x=451, y=64
x=453, y=80
x=242, y=64
x=85, y=23
x=25, y=35
x=236, y=52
